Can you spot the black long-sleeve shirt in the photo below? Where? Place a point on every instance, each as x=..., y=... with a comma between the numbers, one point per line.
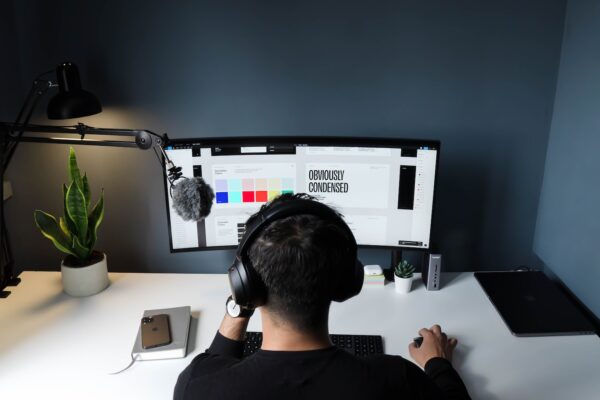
x=331, y=373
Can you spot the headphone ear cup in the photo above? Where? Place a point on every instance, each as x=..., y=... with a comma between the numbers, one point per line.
x=237, y=282
x=246, y=286
x=352, y=283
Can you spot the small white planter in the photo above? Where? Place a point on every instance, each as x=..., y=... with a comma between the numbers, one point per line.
x=402, y=285
x=85, y=281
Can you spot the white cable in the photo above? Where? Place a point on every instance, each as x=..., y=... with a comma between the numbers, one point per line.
x=133, y=360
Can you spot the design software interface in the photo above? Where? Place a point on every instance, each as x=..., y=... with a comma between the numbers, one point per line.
x=384, y=191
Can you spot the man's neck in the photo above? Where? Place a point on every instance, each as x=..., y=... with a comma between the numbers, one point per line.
x=278, y=336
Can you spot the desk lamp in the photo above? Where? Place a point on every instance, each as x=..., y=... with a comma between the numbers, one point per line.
x=71, y=102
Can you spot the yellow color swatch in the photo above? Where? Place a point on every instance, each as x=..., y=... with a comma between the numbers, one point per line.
x=273, y=194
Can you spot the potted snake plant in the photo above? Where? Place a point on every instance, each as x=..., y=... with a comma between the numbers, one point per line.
x=84, y=271
x=403, y=274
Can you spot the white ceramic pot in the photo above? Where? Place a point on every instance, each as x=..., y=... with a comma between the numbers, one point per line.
x=402, y=285
x=85, y=281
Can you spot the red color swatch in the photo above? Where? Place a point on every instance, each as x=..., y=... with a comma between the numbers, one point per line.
x=248, y=197
x=261, y=196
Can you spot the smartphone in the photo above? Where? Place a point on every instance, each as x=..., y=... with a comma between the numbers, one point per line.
x=155, y=331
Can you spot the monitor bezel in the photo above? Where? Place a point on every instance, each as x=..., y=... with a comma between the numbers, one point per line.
x=308, y=141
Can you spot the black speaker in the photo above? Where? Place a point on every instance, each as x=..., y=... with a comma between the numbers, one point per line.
x=247, y=288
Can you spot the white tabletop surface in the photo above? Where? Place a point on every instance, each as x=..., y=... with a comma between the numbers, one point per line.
x=59, y=347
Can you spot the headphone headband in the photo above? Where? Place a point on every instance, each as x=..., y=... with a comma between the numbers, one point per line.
x=287, y=209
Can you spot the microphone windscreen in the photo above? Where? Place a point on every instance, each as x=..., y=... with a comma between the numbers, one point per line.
x=192, y=199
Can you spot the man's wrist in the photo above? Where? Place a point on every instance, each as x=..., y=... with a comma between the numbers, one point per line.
x=435, y=363
x=237, y=311
x=234, y=328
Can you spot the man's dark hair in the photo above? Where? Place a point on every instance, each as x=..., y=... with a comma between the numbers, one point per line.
x=299, y=259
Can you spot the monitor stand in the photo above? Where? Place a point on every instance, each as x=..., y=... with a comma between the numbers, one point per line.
x=395, y=259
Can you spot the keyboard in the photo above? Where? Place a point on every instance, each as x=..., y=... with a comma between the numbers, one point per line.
x=358, y=345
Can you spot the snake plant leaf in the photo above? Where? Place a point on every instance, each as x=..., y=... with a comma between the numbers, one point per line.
x=82, y=252
x=64, y=227
x=74, y=173
x=94, y=219
x=69, y=222
x=77, y=211
x=85, y=188
x=50, y=229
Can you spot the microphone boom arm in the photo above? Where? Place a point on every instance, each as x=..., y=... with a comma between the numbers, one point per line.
x=143, y=139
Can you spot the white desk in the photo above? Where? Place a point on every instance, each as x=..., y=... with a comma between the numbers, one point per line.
x=56, y=346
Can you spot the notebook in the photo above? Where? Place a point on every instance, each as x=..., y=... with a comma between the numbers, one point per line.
x=179, y=321
x=532, y=305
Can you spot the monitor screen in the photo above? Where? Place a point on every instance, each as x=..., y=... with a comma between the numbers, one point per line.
x=384, y=188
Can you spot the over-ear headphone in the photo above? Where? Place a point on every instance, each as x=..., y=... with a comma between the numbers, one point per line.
x=247, y=288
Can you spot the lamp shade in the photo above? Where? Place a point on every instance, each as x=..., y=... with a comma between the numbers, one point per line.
x=71, y=101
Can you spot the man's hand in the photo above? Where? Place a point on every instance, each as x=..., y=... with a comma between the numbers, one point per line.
x=435, y=344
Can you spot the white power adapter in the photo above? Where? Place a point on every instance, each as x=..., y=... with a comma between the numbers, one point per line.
x=373, y=269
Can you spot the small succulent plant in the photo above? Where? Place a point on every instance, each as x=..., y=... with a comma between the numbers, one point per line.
x=404, y=270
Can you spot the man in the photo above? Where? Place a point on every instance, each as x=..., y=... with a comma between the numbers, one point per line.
x=299, y=259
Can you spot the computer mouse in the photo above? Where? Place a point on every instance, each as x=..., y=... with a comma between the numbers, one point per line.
x=418, y=341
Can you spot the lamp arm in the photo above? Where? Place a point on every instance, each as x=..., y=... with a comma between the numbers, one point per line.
x=143, y=139
x=34, y=95
x=35, y=91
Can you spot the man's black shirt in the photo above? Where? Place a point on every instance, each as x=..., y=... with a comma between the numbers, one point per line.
x=331, y=373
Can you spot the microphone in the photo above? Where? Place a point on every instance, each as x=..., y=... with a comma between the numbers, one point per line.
x=192, y=198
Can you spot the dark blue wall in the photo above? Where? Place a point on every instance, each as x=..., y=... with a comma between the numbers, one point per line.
x=10, y=84
x=479, y=76
x=567, y=236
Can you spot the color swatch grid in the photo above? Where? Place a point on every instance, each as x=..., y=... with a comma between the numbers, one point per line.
x=251, y=190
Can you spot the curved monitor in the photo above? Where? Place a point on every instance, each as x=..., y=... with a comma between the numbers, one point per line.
x=383, y=187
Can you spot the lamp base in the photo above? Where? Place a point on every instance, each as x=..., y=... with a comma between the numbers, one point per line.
x=9, y=282
x=13, y=281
